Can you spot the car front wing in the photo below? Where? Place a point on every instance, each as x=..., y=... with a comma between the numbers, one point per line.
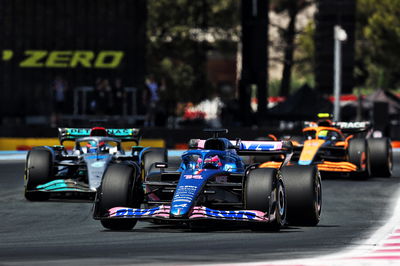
x=198, y=213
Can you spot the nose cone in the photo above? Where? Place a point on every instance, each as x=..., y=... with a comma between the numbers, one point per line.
x=184, y=198
x=309, y=151
x=189, y=186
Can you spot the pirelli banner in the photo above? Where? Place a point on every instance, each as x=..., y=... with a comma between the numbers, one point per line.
x=78, y=41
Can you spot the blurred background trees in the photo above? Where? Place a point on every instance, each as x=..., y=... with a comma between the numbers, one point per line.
x=291, y=8
x=183, y=33
x=378, y=41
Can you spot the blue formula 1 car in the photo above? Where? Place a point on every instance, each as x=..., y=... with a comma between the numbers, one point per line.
x=213, y=183
x=56, y=172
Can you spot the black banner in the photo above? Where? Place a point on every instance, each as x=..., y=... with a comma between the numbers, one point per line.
x=76, y=41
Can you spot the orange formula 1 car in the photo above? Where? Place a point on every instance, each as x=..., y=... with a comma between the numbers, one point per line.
x=343, y=147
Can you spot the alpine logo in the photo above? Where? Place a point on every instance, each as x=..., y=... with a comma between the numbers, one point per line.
x=180, y=205
x=193, y=177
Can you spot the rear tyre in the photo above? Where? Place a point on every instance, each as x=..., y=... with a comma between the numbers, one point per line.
x=264, y=191
x=38, y=170
x=304, y=194
x=153, y=155
x=358, y=155
x=380, y=157
x=119, y=188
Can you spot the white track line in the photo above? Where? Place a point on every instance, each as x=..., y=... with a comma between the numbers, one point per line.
x=382, y=248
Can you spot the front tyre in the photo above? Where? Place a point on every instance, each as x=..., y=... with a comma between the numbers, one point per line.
x=264, y=191
x=304, y=194
x=151, y=156
x=380, y=157
x=38, y=170
x=120, y=188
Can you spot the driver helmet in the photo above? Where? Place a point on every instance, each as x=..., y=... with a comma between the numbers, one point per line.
x=198, y=163
x=91, y=146
x=323, y=134
x=214, y=161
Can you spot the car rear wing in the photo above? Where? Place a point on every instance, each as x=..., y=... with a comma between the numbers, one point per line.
x=251, y=147
x=124, y=134
x=353, y=127
x=345, y=127
x=259, y=147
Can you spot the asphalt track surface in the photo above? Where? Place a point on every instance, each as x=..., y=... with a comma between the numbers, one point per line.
x=59, y=233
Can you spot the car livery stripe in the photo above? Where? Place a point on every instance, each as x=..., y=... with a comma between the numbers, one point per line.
x=99, y=157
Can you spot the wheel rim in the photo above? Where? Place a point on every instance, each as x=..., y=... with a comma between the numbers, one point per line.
x=318, y=194
x=281, y=201
x=390, y=158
